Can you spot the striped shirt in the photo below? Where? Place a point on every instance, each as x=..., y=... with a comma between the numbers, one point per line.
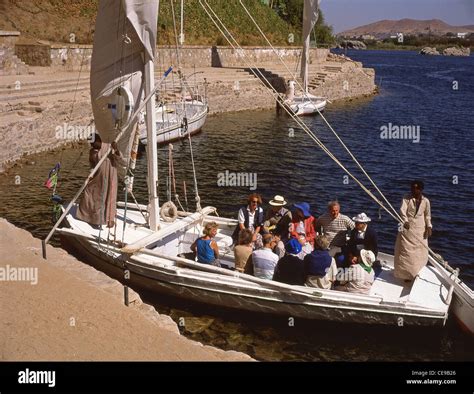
x=335, y=229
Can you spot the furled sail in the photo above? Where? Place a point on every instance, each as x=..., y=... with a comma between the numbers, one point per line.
x=125, y=37
x=310, y=17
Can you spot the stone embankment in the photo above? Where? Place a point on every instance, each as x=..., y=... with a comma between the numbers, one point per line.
x=352, y=44
x=451, y=51
x=38, y=110
x=63, y=310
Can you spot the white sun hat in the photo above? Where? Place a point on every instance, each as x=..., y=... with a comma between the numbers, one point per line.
x=368, y=257
x=278, y=201
x=361, y=218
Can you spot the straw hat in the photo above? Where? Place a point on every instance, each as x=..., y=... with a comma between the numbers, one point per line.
x=368, y=257
x=361, y=218
x=278, y=201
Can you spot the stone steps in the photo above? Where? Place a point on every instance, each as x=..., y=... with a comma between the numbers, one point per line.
x=41, y=88
x=10, y=64
x=11, y=91
x=45, y=82
x=12, y=97
x=318, y=73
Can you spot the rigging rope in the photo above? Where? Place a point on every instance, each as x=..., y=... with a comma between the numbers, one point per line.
x=320, y=113
x=275, y=95
x=394, y=213
x=196, y=191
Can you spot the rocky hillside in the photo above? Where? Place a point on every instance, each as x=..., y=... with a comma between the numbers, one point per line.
x=56, y=20
x=384, y=28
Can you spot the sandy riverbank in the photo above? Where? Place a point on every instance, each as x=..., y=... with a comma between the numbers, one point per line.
x=75, y=312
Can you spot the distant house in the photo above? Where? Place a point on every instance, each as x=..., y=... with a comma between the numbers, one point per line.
x=367, y=37
x=462, y=35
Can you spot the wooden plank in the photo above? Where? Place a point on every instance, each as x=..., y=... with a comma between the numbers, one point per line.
x=168, y=230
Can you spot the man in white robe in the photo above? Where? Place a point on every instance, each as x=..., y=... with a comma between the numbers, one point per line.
x=411, y=248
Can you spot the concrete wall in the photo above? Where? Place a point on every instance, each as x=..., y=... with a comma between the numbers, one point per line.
x=72, y=57
x=34, y=54
x=228, y=57
x=9, y=38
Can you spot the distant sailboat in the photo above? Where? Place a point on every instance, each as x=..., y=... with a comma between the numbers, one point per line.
x=184, y=115
x=306, y=103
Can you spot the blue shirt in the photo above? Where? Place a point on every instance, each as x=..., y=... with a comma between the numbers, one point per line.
x=205, y=254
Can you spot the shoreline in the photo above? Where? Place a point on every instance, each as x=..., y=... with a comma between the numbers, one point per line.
x=33, y=107
x=79, y=309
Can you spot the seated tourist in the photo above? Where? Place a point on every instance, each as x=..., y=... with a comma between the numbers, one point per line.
x=277, y=218
x=302, y=222
x=290, y=268
x=363, y=236
x=251, y=217
x=205, y=247
x=306, y=247
x=320, y=267
x=243, y=251
x=360, y=276
x=279, y=248
x=335, y=225
x=264, y=260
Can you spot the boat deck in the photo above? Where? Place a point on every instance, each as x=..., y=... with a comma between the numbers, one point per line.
x=426, y=295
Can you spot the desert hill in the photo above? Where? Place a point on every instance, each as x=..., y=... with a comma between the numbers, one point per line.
x=385, y=28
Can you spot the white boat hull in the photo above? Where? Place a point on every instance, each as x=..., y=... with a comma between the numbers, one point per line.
x=170, y=126
x=163, y=275
x=462, y=306
x=304, y=105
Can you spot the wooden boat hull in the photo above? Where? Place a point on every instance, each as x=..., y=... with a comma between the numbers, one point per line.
x=229, y=292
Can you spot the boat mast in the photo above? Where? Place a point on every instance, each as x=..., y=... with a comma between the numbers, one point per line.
x=310, y=16
x=181, y=36
x=152, y=159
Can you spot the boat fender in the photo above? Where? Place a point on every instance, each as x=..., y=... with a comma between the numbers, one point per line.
x=169, y=212
x=121, y=105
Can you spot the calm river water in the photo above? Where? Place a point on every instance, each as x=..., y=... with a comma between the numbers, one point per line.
x=432, y=95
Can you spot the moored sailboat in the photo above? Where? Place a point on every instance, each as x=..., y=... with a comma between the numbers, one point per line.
x=306, y=103
x=184, y=114
x=151, y=243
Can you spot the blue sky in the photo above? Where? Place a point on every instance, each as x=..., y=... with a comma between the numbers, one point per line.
x=346, y=14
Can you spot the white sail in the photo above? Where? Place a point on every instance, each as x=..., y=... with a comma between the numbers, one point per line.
x=125, y=37
x=310, y=17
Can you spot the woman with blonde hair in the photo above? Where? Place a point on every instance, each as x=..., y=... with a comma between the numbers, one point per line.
x=206, y=247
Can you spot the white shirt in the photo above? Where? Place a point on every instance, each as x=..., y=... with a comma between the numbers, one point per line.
x=241, y=217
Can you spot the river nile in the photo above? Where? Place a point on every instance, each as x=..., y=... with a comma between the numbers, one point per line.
x=432, y=95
